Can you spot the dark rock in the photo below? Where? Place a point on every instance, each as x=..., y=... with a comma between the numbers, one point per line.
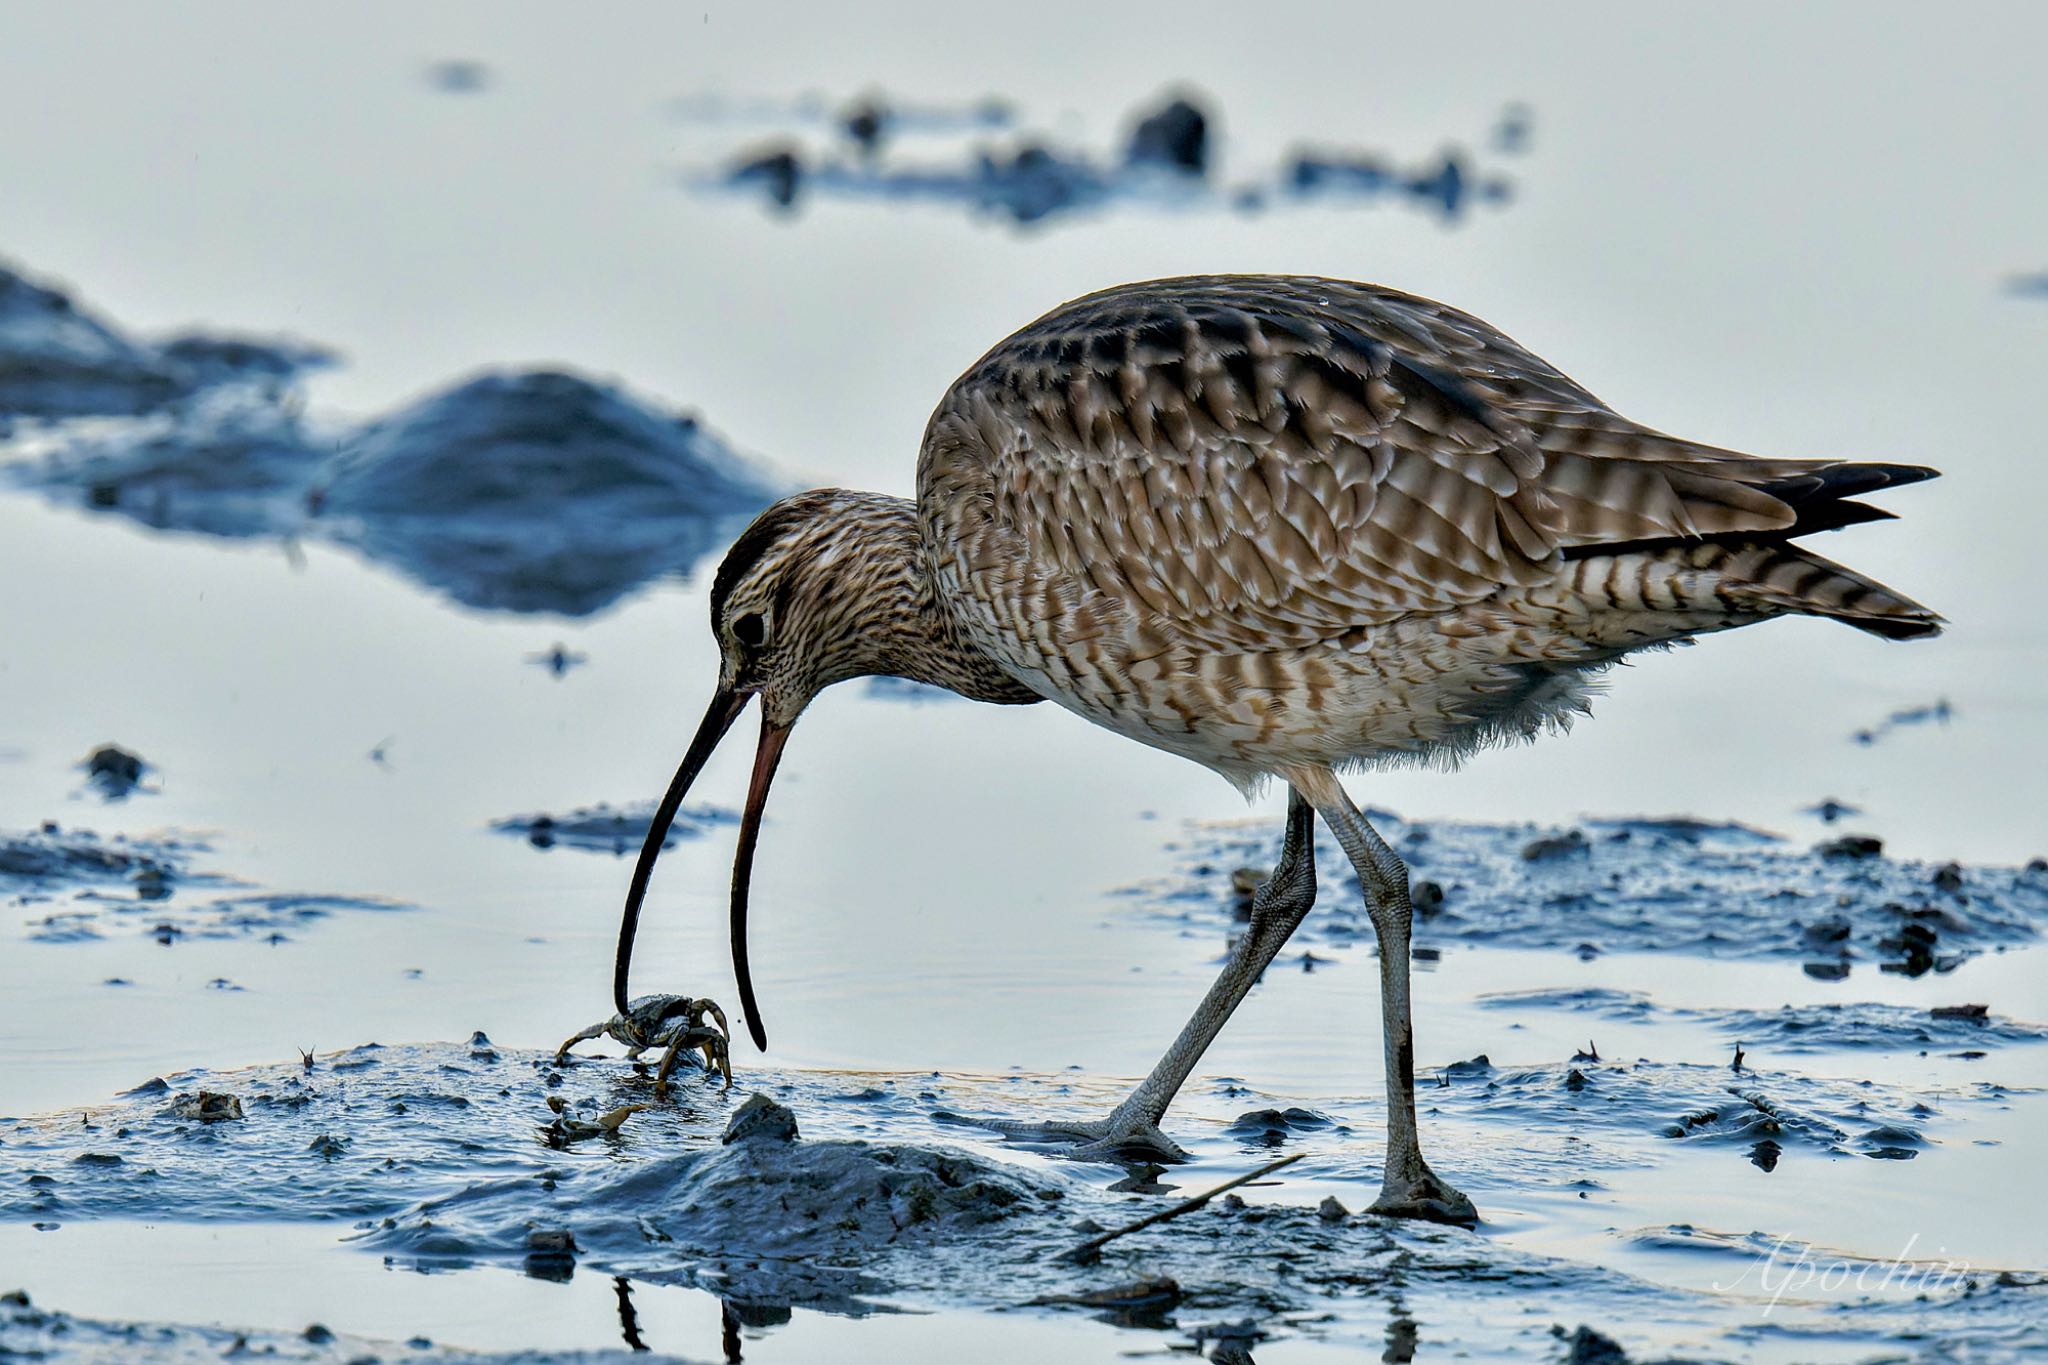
x=1976, y=1014
x=114, y=771
x=865, y=123
x=1831, y=810
x=206, y=1106
x=1826, y=931
x=779, y=173
x=760, y=1119
x=1552, y=847
x=1588, y=1347
x=1851, y=846
x=1175, y=137
x=1276, y=1125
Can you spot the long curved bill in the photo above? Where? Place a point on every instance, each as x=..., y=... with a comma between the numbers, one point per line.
x=725, y=708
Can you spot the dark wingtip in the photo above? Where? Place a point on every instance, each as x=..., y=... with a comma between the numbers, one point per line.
x=1899, y=627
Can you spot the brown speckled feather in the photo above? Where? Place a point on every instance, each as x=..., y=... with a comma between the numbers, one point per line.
x=1273, y=461
x=1300, y=496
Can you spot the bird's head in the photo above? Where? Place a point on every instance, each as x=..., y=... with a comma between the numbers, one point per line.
x=822, y=587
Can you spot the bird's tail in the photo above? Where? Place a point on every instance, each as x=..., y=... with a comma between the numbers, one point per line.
x=1668, y=590
x=1778, y=578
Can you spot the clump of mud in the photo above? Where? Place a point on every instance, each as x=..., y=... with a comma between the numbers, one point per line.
x=617, y=830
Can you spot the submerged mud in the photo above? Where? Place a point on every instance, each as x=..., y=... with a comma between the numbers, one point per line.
x=29, y=1331
x=1637, y=885
x=617, y=830
x=72, y=886
x=1800, y=1028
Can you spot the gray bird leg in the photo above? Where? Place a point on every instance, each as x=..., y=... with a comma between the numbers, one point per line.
x=1281, y=902
x=1409, y=1188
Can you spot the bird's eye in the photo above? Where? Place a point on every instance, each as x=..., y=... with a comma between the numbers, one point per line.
x=751, y=630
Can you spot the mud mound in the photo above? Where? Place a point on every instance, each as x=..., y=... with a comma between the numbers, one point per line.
x=58, y=360
x=535, y=491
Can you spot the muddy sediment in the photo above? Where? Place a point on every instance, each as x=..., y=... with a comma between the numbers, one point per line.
x=1639, y=885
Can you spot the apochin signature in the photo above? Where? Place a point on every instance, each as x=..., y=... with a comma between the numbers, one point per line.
x=1789, y=1267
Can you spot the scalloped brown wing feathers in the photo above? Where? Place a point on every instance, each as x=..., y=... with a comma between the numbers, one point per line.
x=1266, y=462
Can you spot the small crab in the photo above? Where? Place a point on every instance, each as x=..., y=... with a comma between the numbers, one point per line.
x=566, y=1127
x=674, y=1022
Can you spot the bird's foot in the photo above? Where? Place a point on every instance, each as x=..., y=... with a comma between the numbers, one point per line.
x=1121, y=1139
x=1419, y=1192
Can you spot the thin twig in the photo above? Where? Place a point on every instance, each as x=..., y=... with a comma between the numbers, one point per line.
x=1095, y=1244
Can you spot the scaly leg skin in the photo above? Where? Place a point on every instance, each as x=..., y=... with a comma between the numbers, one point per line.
x=1409, y=1189
x=1132, y=1129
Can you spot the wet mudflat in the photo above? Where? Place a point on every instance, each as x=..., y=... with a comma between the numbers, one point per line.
x=867, y=1195
x=355, y=615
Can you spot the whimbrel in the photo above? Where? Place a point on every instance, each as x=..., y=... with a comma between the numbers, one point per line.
x=1286, y=528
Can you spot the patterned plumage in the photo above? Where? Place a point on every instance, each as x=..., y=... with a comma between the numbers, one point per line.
x=1282, y=527
x=1263, y=520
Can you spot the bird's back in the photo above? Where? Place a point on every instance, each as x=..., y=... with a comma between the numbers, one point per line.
x=1226, y=514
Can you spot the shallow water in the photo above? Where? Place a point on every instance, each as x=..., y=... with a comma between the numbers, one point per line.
x=971, y=890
